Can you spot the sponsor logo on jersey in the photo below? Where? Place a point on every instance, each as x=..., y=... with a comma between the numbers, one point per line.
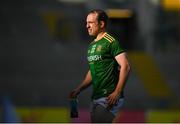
x=94, y=58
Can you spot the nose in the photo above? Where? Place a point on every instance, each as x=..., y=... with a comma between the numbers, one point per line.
x=87, y=25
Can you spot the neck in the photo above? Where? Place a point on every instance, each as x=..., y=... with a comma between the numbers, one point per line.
x=100, y=35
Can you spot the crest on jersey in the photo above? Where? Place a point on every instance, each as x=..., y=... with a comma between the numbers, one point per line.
x=98, y=49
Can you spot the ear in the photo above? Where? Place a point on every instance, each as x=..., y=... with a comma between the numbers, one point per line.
x=102, y=24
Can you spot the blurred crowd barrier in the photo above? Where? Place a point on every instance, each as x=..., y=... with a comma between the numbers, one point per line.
x=13, y=114
x=62, y=115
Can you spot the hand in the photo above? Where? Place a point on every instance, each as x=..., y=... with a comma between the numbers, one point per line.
x=74, y=93
x=112, y=99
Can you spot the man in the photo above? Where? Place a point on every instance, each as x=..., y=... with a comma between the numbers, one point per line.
x=108, y=70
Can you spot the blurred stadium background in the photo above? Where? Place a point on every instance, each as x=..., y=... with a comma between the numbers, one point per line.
x=43, y=57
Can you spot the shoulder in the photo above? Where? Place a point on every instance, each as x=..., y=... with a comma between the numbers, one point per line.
x=109, y=38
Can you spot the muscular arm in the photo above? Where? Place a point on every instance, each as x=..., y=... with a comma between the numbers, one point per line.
x=123, y=74
x=124, y=71
x=85, y=83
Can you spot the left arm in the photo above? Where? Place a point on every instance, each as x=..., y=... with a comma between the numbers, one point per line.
x=123, y=75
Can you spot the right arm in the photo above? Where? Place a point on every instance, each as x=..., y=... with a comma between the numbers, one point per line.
x=86, y=83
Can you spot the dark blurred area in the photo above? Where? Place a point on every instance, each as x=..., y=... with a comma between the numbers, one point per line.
x=43, y=51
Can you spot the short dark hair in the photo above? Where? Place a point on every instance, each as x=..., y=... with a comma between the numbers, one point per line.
x=102, y=16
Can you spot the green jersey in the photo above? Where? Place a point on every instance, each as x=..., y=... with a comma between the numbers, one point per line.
x=103, y=66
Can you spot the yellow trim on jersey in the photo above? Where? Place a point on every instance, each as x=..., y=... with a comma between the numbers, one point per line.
x=109, y=38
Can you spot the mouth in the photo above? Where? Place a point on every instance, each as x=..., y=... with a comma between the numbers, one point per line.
x=89, y=30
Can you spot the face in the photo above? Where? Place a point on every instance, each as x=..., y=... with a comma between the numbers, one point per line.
x=92, y=24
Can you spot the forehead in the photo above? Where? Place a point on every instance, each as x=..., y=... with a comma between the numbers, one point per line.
x=92, y=17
